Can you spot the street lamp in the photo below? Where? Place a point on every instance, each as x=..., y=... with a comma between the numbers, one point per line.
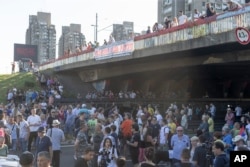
x=95, y=28
x=95, y=32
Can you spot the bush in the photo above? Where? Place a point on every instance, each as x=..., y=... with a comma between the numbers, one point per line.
x=29, y=84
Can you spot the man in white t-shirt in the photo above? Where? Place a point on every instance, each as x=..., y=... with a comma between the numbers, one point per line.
x=164, y=131
x=182, y=19
x=24, y=132
x=34, y=123
x=197, y=14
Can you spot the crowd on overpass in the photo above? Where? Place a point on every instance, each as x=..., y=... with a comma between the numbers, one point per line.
x=183, y=19
x=169, y=24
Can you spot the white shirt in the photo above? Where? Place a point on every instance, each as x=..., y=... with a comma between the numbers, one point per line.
x=190, y=112
x=238, y=111
x=159, y=118
x=164, y=130
x=10, y=95
x=34, y=119
x=197, y=16
x=92, y=110
x=182, y=19
x=23, y=129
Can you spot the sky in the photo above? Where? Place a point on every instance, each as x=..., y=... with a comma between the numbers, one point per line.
x=15, y=19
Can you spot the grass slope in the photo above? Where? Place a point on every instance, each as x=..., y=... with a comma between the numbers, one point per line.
x=22, y=81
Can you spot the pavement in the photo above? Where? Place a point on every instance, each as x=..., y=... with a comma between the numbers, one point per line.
x=68, y=142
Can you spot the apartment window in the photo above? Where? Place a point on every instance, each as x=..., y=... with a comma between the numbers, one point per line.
x=203, y=4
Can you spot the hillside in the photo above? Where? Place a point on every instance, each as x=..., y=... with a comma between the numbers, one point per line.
x=22, y=81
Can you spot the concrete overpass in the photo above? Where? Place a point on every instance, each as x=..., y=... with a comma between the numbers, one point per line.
x=204, y=45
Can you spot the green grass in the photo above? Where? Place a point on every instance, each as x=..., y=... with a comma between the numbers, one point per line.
x=22, y=81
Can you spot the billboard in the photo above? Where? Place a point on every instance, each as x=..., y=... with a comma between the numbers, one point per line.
x=25, y=52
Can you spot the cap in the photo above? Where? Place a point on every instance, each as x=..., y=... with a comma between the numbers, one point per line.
x=84, y=105
x=26, y=158
x=41, y=129
x=237, y=138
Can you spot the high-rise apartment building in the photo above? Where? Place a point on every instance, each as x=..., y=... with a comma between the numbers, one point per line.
x=123, y=31
x=170, y=8
x=71, y=39
x=43, y=34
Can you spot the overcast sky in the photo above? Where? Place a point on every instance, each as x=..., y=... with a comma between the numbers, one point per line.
x=15, y=18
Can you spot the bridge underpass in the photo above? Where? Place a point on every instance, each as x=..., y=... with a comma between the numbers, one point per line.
x=192, y=73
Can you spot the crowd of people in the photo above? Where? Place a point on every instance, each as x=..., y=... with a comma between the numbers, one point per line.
x=197, y=15
x=86, y=47
x=102, y=135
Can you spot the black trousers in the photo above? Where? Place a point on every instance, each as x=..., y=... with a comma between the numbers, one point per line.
x=33, y=136
x=56, y=158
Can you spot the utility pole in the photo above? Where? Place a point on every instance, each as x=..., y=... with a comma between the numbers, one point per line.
x=96, y=25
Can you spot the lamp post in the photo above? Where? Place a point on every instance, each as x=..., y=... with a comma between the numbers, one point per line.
x=94, y=32
x=95, y=28
x=96, y=25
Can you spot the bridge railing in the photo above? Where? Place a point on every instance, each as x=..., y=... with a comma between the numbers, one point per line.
x=224, y=22
x=203, y=27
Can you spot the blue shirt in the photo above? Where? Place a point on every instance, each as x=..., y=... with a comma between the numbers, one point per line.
x=56, y=136
x=178, y=144
x=70, y=119
x=13, y=130
x=43, y=144
x=227, y=139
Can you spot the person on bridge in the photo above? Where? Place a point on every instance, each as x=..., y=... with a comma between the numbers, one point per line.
x=233, y=5
x=210, y=10
x=197, y=14
x=182, y=19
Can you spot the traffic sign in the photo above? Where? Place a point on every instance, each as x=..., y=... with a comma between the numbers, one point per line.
x=242, y=35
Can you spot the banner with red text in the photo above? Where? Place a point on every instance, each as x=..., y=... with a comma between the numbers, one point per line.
x=117, y=49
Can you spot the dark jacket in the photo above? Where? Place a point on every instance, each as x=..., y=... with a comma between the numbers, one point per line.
x=221, y=161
